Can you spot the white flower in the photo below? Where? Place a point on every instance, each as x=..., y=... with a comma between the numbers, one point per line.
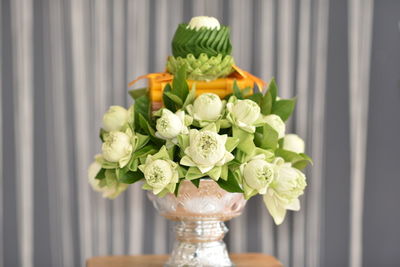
x=257, y=174
x=294, y=143
x=117, y=147
x=206, y=108
x=115, y=118
x=170, y=125
x=243, y=113
x=109, y=186
x=203, y=21
x=93, y=170
x=206, y=149
x=284, y=191
x=160, y=174
x=276, y=123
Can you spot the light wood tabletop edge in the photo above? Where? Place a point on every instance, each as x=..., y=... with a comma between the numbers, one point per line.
x=150, y=260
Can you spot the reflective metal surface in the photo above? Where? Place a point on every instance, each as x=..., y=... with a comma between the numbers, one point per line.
x=199, y=214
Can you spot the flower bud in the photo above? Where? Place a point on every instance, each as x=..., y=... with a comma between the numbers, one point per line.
x=207, y=107
x=276, y=123
x=117, y=145
x=245, y=111
x=294, y=143
x=115, y=118
x=196, y=23
x=169, y=125
x=93, y=170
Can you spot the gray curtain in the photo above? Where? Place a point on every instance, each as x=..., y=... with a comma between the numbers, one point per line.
x=64, y=62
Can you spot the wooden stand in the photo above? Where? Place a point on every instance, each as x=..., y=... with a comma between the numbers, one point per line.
x=241, y=260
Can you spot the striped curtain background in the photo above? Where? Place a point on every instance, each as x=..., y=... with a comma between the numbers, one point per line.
x=64, y=62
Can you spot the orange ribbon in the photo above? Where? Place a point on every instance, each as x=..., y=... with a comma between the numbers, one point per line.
x=167, y=77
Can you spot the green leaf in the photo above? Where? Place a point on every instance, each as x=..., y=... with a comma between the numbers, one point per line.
x=240, y=156
x=288, y=156
x=182, y=171
x=196, y=182
x=179, y=84
x=176, y=99
x=147, y=150
x=231, y=143
x=142, y=141
x=177, y=189
x=191, y=96
x=284, y=108
x=268, y=139
x=145, y=126
x=131, y=177
x=142, y=107
x=224, y=172
x=273, y=89
x=246, y=143
x=194, y=173
x=101, y=134
x=301, y=164
x=215, y=173
x=266, y=104
x=231, y=184
x=136, y=93
x=101, y=174
x=236, y=90
x=257, y=97
x=183, y=141
x=168, y=103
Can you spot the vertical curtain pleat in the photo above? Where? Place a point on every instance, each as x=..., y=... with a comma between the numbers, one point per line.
x=301, y=119
x=57, y=130
x=285, y=79
x=314, y=193
x=82, y=92
x=116, y=69
x=266, y=69
x=1, y=148
x=103, y=95
x=360, y=40
x=22, y=41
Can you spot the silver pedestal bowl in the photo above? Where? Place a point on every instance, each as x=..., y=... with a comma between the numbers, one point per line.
x=199, y=214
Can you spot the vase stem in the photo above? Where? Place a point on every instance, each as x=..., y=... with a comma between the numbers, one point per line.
x=199, y=243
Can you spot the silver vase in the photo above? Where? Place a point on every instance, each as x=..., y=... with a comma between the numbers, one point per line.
x=199, y=214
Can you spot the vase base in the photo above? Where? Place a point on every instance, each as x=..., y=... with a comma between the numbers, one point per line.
x=207, y=254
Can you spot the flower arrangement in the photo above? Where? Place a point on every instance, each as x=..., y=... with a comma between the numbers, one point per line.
x=238, y=141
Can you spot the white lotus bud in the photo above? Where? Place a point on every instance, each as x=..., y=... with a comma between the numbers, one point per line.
x=196, y=23
x=115, y=118
x=207, y=107
x=245, y=111
x=169, y=125
x=276, y=123
x=294, y=143
x=117, y=145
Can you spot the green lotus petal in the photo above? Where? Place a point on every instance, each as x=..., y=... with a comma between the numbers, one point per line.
x=203, y=67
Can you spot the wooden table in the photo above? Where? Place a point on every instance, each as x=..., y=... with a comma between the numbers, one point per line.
x=241, y=260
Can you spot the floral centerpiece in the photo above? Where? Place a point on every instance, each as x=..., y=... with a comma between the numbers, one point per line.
x=238, y=140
